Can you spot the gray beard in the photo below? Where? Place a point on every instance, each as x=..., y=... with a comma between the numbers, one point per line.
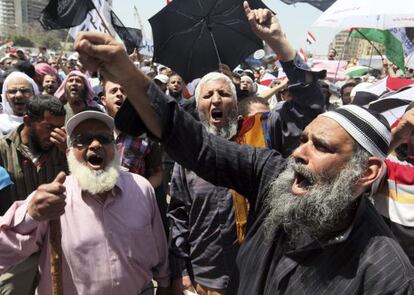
x=229, y=129
x=326, y=209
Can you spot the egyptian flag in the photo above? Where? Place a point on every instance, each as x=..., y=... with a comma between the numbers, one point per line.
x=310, y=38
x=302, y=54
x=267, y=79
x=61, y=14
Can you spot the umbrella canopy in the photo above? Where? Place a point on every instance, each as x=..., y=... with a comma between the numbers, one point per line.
x=192, y=36
x=376, y=14
x=356, y=71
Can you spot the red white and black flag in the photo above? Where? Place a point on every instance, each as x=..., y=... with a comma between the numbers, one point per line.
x=63, y=14
x=310, y=38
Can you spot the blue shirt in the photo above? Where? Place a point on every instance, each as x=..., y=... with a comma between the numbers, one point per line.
x=5, y=180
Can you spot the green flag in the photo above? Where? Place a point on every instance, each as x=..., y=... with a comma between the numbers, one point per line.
x=393, y=47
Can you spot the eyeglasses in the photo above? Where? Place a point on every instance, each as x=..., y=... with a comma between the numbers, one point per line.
x=85, y=139
x=24, y=91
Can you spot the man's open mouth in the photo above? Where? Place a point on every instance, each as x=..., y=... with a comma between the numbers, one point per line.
x=301, y=184
x=19, y=103
x=95, y=161
x=216, y=115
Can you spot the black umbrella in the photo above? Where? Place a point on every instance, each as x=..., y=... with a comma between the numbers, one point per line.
x=194, y=36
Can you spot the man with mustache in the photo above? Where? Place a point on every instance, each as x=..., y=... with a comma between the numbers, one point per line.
x=325, y=237
x=175, y=88
x=139, y=154
x=192, y=264
x=113, y=241
x=224, y=211
x=77, y=94
x=18, y=89
x=50, y=84
x=32, y=154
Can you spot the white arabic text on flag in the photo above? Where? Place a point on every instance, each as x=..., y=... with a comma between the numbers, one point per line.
x=93, y=22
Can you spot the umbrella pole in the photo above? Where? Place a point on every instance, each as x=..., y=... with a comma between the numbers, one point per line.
x=370, y=57
x=55, y=237
x=370, y=42
x=215, y=47
x=342, y=55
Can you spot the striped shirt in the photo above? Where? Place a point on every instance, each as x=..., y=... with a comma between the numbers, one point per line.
x=365, y=259
x=25, y=171
x=203, y=232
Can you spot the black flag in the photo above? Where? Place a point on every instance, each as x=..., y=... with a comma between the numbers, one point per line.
x=63, y=14
x=131, y=37
x=320, y=4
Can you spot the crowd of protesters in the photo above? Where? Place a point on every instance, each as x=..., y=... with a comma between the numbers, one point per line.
x=228, y=184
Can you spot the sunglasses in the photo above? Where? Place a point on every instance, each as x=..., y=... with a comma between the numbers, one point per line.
x=85, y=139
x=24, y=91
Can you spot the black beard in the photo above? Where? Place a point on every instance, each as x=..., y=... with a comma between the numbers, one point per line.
x=34, y=143
x=175, y=94
x=49, y=90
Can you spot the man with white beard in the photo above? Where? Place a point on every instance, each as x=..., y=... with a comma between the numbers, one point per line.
x=224, y=211
x=192, y=265
x=112, y=236
x=349, y=250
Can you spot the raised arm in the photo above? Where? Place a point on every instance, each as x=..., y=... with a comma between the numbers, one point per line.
x=100, y=52
x=266, y=26
x=288, y=121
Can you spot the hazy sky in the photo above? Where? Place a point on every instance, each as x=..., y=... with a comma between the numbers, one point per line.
x=296, y=20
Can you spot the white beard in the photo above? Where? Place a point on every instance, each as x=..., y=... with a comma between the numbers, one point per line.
x=95, y=182
x=228, y=131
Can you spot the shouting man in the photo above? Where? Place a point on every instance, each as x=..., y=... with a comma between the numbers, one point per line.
x=112, y=237
x=77, y=93
x=311, y=228
x=18, y=89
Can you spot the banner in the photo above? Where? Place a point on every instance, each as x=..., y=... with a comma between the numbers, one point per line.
x=93, y=22
x=147, y=47
x=63, y=14
x=335, y=69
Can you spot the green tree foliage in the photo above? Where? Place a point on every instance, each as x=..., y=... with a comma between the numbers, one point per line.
x=33, y=35
x=20, y=40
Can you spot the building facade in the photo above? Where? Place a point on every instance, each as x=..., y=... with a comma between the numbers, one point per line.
x=14, y=14
x=349, y=48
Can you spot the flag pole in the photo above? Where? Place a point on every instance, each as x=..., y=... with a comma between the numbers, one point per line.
x=55, y=241
x=342, y=55
x=65, y=44
x=372, y=44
